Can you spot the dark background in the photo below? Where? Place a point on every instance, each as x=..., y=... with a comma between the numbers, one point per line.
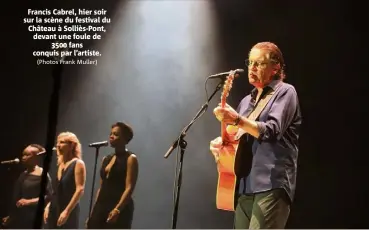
x=326, y=55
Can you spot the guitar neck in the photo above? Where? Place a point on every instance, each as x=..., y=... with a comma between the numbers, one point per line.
x=227, y=87
x=223, y=131
x=223, y=128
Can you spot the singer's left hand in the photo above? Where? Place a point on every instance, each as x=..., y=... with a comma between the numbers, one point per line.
x=227, y=114
x=113, y=216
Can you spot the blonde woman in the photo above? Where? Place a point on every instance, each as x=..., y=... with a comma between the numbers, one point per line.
x=63, y=210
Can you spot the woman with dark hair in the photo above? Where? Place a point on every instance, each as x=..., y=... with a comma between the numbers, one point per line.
x=63, y=210
x=27, y=190
x=114, y=204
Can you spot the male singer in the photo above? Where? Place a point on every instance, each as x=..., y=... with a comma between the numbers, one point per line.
x=268, y=190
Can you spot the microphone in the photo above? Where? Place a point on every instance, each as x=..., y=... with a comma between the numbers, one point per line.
x=224, y=74
x=40, y=153
x=43, y=152
x=15, y=161
x=99, y=144
x=174, y=145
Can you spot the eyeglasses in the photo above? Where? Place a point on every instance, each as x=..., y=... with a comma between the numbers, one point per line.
x=258, y=64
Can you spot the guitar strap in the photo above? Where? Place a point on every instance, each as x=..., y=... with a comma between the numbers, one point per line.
x=259, y=107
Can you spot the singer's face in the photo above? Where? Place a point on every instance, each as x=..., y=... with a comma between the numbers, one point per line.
x=261, y=69
x=116, y=137
x=63, y=145
x=28, y=154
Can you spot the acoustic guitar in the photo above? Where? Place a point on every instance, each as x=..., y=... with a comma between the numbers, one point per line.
x=234, y=160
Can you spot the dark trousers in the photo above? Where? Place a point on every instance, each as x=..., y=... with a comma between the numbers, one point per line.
x=264, y=210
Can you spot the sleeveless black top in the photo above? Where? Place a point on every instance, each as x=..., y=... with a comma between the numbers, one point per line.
x=65, y=190
x=111, y=191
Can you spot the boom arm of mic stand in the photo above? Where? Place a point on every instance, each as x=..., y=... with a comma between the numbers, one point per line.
x=203, y=108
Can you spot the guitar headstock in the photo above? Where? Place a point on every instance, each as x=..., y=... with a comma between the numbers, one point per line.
x=227, y=87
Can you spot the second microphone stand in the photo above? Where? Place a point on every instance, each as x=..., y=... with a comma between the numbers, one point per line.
x=93, y=179
x=183, y=144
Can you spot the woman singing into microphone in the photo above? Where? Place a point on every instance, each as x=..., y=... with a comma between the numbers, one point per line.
x=27, y=190
x=114, y=204
x=63, y=211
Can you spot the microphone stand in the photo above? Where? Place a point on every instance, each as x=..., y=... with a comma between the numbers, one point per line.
x=183, y=144
x=93, y=179
x=50, y=140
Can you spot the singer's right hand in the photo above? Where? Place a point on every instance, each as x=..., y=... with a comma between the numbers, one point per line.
x=5, y=220
x=46, y=214
x=215, y=146
x=23, y=202
x=86, y=223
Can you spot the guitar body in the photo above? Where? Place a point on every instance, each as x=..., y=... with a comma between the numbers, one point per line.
x=227, y=178
x=235, y=162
